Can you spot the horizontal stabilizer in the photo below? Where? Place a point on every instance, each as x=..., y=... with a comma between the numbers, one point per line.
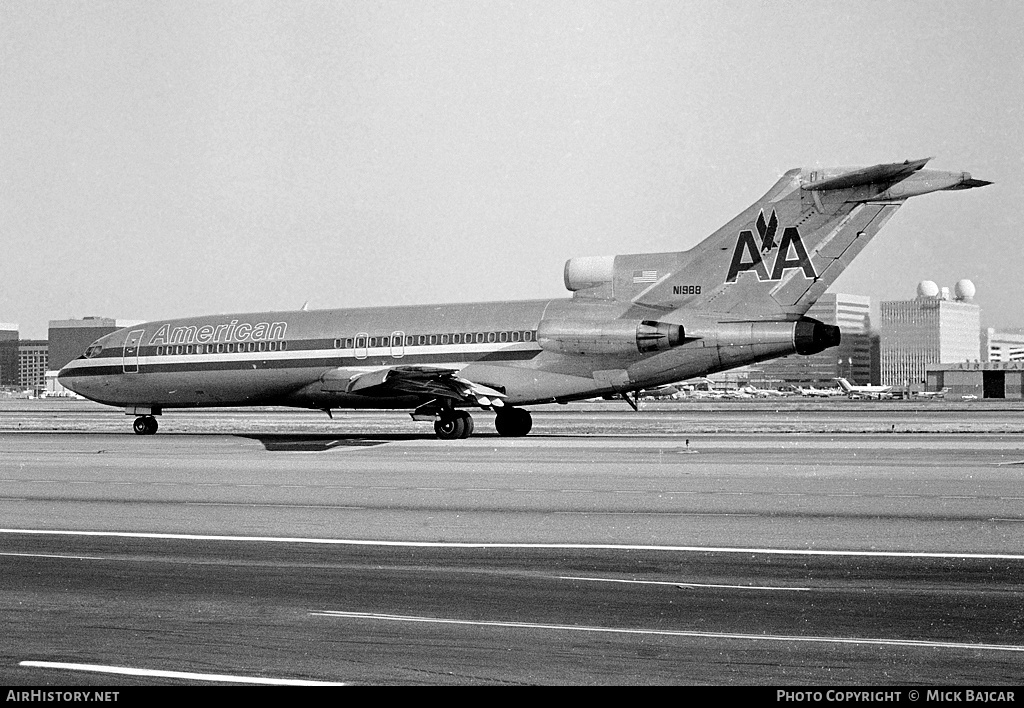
x=969, y=184
x=879, y=174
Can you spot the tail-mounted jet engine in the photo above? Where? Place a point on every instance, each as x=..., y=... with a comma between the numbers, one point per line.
x=811, y=336
x=608, y=338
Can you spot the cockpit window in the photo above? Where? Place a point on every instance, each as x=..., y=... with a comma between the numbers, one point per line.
x=93, y=350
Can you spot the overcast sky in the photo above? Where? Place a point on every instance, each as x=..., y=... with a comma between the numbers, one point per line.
x=164, y=159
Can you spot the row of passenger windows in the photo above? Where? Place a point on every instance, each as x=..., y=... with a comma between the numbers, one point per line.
x=399, y=339
x=222, y=348
x=359, y=342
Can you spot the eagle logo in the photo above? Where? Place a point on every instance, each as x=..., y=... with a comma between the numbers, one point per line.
x=791, y=251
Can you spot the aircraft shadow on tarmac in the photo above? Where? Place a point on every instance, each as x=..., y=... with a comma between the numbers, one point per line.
x=316, y=442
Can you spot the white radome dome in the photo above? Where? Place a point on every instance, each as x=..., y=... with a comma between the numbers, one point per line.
x=927, y=288
x=964, y=290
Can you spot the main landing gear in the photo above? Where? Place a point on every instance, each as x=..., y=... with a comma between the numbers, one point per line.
x=513, y=422
x=454, y=425
x=145, y=425
x=451, y=424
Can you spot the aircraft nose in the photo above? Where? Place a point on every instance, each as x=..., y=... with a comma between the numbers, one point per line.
x=66, y=378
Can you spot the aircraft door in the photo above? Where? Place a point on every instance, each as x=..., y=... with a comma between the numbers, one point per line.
x=132, y=343
x=360, y=348
x=398, y=344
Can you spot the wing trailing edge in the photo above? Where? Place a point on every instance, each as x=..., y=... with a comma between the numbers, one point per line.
x=423, y=381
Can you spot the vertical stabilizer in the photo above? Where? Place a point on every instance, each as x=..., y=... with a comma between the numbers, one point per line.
x=780, y=254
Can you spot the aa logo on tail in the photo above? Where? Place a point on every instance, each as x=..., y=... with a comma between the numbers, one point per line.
x=748, y=255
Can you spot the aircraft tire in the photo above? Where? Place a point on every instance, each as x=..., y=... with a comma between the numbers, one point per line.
x=450, y=428
x=513, y=422
x=145, y=425
x=467, y=421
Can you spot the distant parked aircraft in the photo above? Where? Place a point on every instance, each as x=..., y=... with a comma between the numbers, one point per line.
x=812, y=392
x=864, y=391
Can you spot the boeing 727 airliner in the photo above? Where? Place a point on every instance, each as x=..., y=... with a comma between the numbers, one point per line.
x=633, y=322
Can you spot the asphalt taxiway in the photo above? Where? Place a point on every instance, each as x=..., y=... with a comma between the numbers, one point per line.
x=751, y=554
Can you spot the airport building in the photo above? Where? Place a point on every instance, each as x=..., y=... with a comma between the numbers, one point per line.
x=850, y=360
x=933, y=328
x=978, y=379
x=1002, y=345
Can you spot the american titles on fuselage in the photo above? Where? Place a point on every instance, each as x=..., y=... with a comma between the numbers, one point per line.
x=233, y=331
x=791, y=254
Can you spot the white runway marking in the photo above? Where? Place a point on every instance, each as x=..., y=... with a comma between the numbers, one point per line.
x=221, y=678
x=675, y=633
x=539, y=546
x=679, y=584
x=53, y=555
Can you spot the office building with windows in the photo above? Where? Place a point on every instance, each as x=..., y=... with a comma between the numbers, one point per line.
x=1002, y=345
x=933, y=328
x=8, y=354
x=32, y=363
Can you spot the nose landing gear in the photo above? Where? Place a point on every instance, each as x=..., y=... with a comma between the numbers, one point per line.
x=145, y=425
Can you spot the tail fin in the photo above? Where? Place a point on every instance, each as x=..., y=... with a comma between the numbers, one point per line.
x=776, y=258
x=844, y=384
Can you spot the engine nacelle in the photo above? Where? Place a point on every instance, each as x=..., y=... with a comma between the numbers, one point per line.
x=811, y=336
x=588, y=272
x=615, y=337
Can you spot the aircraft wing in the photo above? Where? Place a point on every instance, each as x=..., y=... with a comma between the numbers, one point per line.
x=424, y=381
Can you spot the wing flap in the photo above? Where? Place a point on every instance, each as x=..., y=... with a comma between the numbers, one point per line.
x=419, y=381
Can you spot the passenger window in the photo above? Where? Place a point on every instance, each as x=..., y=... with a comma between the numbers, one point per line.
x=433, y=339
x=373, y=341
x=284, y=345
x=502, y=336
x=444, y=339
x=456, y=339
x=515, y=336
x=361, y=342
x=188, y=349
x=490, y=337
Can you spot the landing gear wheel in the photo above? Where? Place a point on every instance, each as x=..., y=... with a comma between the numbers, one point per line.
x=513, y=422
x=145, y=425
x=450, y=427
x=467, y=421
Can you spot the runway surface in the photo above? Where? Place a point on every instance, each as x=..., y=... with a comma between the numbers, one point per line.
x=282, y=551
